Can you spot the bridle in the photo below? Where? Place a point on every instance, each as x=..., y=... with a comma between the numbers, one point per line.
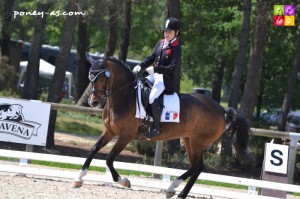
x=93, y=78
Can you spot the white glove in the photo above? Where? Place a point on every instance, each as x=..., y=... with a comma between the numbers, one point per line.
x=136, y=69
x=150, y=70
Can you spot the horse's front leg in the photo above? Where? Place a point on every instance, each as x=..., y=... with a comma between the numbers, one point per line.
x=104, y=139
x=116, y=150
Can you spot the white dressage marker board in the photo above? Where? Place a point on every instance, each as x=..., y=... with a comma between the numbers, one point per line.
x=24, y=122
x=276, y=158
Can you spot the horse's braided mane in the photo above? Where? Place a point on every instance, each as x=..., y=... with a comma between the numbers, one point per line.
x=114, y=59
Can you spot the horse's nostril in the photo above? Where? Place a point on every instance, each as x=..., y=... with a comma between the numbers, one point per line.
x=93, y=103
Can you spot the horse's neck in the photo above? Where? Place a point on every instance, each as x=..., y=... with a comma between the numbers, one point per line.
x=123, y=97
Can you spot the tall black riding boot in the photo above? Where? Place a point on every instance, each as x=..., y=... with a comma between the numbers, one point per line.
x=156, y=112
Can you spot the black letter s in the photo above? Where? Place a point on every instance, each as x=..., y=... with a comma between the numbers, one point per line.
x=276, y=157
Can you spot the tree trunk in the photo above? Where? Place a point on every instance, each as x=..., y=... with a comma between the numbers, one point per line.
x=251, y=88
x=6, y=28
x=173, y=10
x=286, y=105
x=61, y=68
x=226, y=149
x=125, y=30
x=32, y=71
x=112, y=28
x=83, y=101
x=217, y=82
x=238, y=71
x=82, y=65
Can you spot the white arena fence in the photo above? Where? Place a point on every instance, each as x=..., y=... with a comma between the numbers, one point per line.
x=163, y=184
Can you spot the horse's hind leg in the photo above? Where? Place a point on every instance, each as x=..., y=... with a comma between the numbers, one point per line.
x=171, y=190
x=104, y=139
x=197, y=167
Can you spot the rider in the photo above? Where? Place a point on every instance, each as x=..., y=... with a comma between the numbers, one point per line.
x=161, y=65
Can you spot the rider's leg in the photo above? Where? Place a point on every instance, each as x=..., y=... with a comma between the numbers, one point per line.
x=157, y=88
x=156, y=91
x=156, y=113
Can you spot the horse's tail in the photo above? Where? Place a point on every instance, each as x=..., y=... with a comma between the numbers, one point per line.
x=237, y=124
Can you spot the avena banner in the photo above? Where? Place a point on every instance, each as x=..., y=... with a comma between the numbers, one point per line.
x=23, y=121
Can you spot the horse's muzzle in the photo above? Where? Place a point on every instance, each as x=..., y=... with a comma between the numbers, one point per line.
x=94, y=101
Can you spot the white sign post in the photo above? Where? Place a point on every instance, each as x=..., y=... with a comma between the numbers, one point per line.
x=24, y=122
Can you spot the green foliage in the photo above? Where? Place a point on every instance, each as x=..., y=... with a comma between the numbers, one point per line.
x=186, y=84
x=8, y=75
x=210, y=35
x=146, y=27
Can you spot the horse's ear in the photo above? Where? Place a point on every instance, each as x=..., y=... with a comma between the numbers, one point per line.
x=89, y=58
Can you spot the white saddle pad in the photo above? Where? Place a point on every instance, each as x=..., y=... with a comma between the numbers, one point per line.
x=170, y=112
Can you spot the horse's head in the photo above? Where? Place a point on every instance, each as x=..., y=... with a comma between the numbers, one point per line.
x=12, y=112
x=99, y=76
x=109, y=77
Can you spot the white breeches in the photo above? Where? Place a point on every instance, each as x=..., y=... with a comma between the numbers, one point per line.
x=158, y=86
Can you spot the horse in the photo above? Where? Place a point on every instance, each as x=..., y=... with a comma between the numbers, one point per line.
x=202, y=122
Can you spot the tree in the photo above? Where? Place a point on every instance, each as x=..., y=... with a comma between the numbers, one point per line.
x=173, y=10
x=290, y=89
x=32, y=72
x=243, y=46
x=226, y=149
x=217, y=81
x=251, y=88
x=61, y=68
x=6, y=28
x=125, y=30
x=112, y=28
x=82, y=65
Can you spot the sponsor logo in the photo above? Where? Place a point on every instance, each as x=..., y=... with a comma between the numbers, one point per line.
x=13, y=122
x=284, y=15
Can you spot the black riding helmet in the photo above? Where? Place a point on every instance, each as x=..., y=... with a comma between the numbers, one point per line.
x=171, y=24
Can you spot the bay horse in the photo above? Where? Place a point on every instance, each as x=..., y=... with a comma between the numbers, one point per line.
x=202, y=121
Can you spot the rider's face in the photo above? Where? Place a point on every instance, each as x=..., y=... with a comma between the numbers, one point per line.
x=169, y=34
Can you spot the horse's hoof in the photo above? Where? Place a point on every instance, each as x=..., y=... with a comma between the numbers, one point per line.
x=170, y=194
x=125, y=182
x=128, y=184
x=77, y=184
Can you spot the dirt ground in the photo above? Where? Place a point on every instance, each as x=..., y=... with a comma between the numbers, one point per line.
x=21, y=187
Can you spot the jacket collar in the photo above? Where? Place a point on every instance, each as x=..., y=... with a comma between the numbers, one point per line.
x=174, y=42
